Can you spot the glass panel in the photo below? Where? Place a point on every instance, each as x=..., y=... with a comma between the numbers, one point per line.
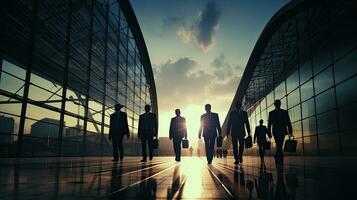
x=294, y=98
x=309, y=126
x=346, y=67
x=328, y=144
x=325, y=101
x=327, y=122
x=347, y=91
x=292, y=81
x=308, y=108
x=323, y=80
x=307, y=90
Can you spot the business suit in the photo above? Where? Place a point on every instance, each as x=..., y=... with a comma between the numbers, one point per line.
x=236, y=122
x=118, y=128
x=147, y=131
x=208, y=129
x=177, y=131
x=279, y=122
x=260, y=136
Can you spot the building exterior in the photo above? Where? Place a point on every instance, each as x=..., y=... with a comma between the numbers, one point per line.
x=71, y=61
x=306, y=56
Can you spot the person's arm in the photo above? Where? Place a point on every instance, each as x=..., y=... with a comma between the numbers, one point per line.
x=229, y=124
x=247, y=125
x=219, y=126
x=110, y=128
x=268, y=132
x=185, y=128
x=290, y=128
x=269, y=122
x=156, y=126
x=255, y=134
x=140, y=125
x=170, y=130
x=126, y=126
x=200, y=130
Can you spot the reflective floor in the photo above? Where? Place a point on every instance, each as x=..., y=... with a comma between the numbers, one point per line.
x=163, y=178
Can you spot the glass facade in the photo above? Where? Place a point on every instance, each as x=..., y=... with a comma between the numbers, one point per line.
x=64, y=65
x=310, y=63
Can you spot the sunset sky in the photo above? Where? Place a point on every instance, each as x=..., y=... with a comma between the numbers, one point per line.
x=198, y=50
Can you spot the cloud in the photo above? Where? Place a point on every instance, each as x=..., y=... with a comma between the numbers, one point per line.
x=207, y=25
x=184, y=82
x=184, y=35
x=203, y=30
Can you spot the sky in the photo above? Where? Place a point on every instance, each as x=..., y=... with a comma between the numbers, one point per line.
x=198, y=50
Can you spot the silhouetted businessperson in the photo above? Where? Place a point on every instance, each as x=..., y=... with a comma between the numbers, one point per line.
x=147, y=131
x=118, y=128
x=209, y=129
x=177, y=131
x=237, y=122
x=260, y=134
x=279, y=122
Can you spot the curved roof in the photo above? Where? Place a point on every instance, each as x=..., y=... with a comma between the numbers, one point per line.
x=270, y=60
x=140, y=42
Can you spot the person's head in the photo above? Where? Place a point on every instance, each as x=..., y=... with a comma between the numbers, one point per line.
x=177, y=112
x=147, y=108
x=277, y=103
x=238, y=105
x=261, y=122
x=208, y=107
x=118, y=106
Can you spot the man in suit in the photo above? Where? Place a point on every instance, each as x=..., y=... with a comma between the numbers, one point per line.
x=279, y=121
x=208, y=129
x=147, y=131
x=237, y=122
x=177, y=131
x=118, y=128
x=260, y=136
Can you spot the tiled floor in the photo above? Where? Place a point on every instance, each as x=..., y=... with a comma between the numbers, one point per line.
x=163, y=178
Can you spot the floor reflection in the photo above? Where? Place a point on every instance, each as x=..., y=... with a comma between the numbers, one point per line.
x=95, y=178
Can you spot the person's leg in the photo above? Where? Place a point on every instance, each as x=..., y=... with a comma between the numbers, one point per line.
x=143, y=148
x=261, y=147
x=235, y=148
x=120, y=146
x=207, y=147
x=212, y=142
x=241, y=148
x=151, y=149
x=115, y=149
x=179, y=150
x=279, y=140
x=175, y=149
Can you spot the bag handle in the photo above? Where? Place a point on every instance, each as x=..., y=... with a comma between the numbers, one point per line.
x=291, y=137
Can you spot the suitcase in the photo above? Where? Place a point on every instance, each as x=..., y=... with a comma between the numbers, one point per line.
x=248, y=142
x=267, y=145
x=185, y=143
x=155, y=143
x=219, y=141
x=290, y=145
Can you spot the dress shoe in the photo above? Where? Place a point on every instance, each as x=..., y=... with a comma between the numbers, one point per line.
x=143, y=160
x=150, y=158
x=115, y=160
x=209, y=162
x=241, y=159
x=236, y=162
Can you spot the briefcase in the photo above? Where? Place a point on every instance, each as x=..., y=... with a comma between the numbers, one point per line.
x=290, y=145
x=248, y=142
x=267, y=145
x=155, y=143
x=185, y=143
x=219, y=141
